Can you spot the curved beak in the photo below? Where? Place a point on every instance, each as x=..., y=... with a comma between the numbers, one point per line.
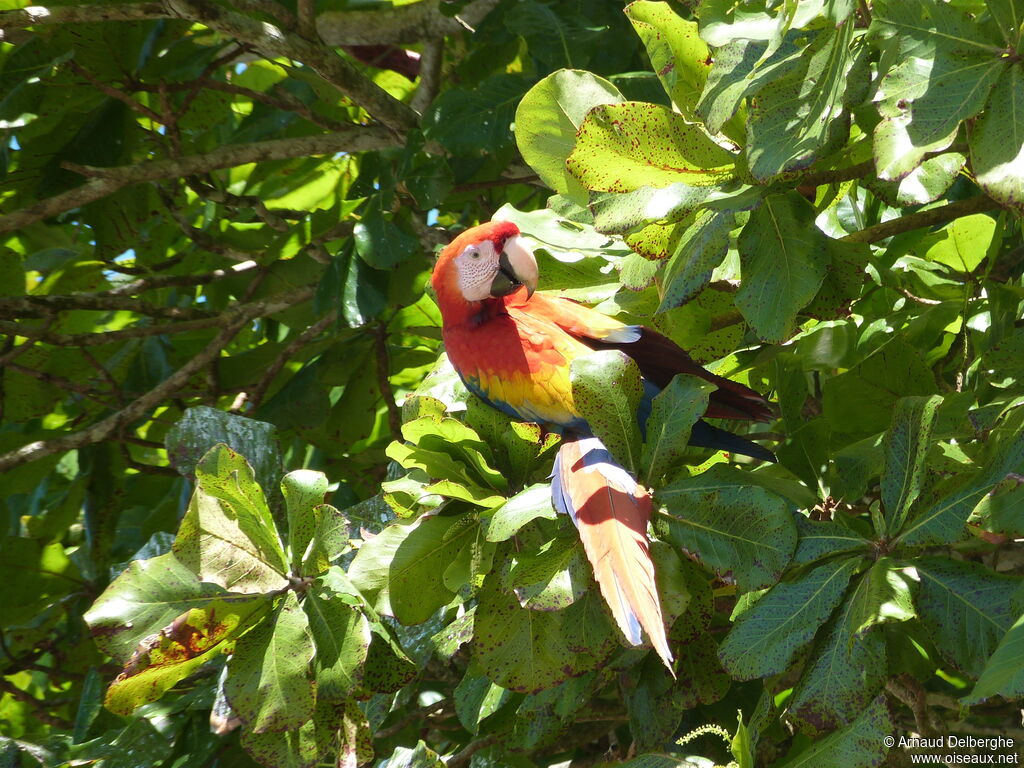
x=517, y=267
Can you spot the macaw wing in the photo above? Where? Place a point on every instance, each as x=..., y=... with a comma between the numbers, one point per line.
x=658, y=357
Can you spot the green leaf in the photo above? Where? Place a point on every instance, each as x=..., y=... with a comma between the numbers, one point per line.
x=330, y=540
x=926, y=183
x=341, y=636
x=379, y=242
x=964, y=244
x=678, y=56
x=179, y=649
x=268, y=682
x=862, y=398
x=398, y=569
x=997, y=142
x=476, y=698
x=897, y=153
x=942, y=522
x=606, y=389
x=1003, y=674
x=733, y=527
x=528, y=651
x=547, y=119
x=201, y=428
x=783, y=261
x=529, y=504
x=552, y=577
x=859, y=743
x=476, y=120
x=144, y=599
x=882, y=595
x=227, y=536
x=673, y=413
x=845, y=672
x=820, y=539
x=420, y=757
x=798, y=116
x=701, y=248
x=622, y=147
x=765, y=637
x=906, y=445
x=1010, y=17
x=300, y=747
x=303, y=491
x=965, y=607
x=946, y=68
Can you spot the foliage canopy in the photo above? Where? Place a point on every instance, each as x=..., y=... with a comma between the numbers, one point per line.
x=218, y=219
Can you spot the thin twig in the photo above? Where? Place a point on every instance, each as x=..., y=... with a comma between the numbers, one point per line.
x=157, y=282
x=463, y=757
x=234, y=319
x=256, y=396
x=41, y=708
x=113, y=92
x=60, y=382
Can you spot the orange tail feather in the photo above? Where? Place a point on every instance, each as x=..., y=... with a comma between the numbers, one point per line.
x=611, y=512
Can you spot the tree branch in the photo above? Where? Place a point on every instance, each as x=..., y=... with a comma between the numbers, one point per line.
x=258, y=392
x=357, y=138
x=403, y=24
x=920, y=219
x=274, y=42
x=106, y=337
x=37, y=306
x=409, y=23
x=234, y=319
x=430, y=75
x=156, y=282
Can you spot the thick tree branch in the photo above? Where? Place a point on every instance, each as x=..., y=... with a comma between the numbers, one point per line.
x=233, y=319
x=403, y=24
x=37, y=306
x=409, y=23
x=357, y=138
x=920, y=219
x=273, y=42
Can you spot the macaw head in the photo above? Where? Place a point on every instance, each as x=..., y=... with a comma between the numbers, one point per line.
x=488, y=261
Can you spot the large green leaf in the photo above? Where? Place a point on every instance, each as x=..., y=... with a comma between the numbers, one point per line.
x=303, y=491
x=861, y=399
x=797, y=116
x=227, y=536
x=942, y=521
x=678, y=56
x=997, y=141
x=269, y=683
x=946, y=68
x=862, y=742
x=471, y=121
x=547, y=119
x=341, y=635
x=552, y=577
x=820, y=539
x=906, y=447
x=606, y=388
x=673, y=413
x=765, y=637
x=622, y=147
x=733, y=527
x=1003, y=673
x=700, y=249
x=144, y=599
x=525, y=650
x=399, y=569
x=846, y=670
x=784, y=260
x=965, y=607
x=179, y=649
x=882, y=595
x=529, y=504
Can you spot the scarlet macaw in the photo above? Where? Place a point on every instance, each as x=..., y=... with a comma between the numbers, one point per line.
x=513, y=347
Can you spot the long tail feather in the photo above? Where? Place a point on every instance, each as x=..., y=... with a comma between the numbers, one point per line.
x=705, y=435
x=611, y=512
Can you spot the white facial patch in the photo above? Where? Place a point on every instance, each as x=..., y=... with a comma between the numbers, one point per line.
x=477, y=265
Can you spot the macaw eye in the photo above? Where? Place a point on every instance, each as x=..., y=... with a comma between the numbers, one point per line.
x=472, y=252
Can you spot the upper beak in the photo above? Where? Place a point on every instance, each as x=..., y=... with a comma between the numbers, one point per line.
x=516, y=267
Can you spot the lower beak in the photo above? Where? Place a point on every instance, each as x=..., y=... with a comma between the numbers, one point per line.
x=517, y=267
